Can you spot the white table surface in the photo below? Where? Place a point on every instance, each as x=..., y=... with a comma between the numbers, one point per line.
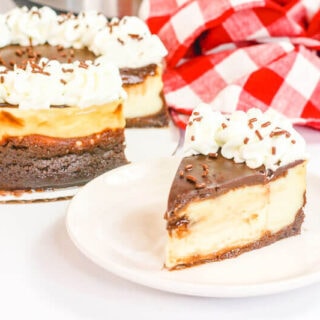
x=44, y=276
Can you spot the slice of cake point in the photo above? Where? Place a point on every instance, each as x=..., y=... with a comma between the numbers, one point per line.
x=240, y=186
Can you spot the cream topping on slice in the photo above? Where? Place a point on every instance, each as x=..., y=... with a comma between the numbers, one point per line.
x=253, y=137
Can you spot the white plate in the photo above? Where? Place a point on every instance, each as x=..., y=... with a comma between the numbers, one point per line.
x=144, y=143
x=117, y=221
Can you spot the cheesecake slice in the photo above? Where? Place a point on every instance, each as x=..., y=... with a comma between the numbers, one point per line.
x=240, y=186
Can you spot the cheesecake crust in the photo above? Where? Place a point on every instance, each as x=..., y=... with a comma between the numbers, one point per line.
x=41, y=162
x=232, y=252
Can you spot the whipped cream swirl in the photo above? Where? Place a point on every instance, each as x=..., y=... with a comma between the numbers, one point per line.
x=51, y=83
x=127, y=42
x=253, y=137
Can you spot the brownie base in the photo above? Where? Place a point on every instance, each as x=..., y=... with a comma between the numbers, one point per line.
x=40, y=162
x=157, y=120
x=267, y=239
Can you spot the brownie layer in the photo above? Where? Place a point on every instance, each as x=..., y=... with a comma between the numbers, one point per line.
x=40, y=162
x=227, y=253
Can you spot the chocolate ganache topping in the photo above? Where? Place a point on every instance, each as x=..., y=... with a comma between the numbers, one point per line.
x=19, y=55
x=208, y=176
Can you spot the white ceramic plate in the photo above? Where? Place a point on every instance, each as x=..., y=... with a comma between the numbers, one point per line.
x=117, y=221
x=141, y=144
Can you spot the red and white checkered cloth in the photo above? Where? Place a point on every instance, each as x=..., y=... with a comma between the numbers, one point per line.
x=237, y=54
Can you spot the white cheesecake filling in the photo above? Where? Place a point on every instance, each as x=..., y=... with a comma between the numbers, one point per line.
x=237, y=218
x=286, y=197
x=144, y=99
x=73, y=122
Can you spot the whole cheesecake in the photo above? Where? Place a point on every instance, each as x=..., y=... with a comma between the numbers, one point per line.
x=89, y=36
x=67, y=85
x=59, y=131
x=240, y=186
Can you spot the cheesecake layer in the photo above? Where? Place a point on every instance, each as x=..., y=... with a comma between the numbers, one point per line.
x=60, y=122
x=233, y=252
x=41, y=162
x=145, y=98
x=218, y=209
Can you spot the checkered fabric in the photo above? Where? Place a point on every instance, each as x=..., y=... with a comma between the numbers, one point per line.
x=237, y=54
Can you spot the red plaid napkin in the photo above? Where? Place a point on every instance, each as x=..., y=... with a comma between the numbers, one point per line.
x=236, y=54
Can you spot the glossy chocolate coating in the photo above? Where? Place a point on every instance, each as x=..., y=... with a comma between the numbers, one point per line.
x=18, y=55
x=200, y=177
x=15, y=54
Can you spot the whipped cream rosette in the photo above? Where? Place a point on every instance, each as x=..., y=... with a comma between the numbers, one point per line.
x=254, y=137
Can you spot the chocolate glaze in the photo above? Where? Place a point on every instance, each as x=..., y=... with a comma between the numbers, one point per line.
x=15, y=54
x=201, y=177
x=131, y=76
x=19, y=55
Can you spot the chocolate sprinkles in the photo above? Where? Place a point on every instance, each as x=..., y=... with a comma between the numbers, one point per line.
x=258, y=134
x=279, y=133
x=200, y=185
x=120, y=41
x=266, y=124
x=213, y=155
x=251, y=121
x=191, y=178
